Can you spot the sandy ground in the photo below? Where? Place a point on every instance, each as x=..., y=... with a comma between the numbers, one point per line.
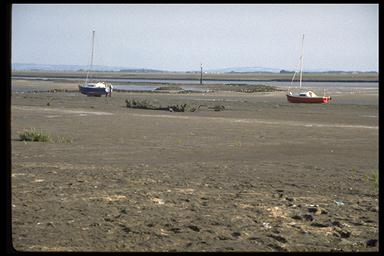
x=262, y=175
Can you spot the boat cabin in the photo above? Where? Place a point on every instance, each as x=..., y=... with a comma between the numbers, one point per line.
x=308, y=94
x=98, y=85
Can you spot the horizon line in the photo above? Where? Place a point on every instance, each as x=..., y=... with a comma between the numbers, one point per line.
x=215, y=69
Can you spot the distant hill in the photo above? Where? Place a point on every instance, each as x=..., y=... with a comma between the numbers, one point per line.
x=41, y=67
x=278, y=70
x=48, y=67
x=245, y=70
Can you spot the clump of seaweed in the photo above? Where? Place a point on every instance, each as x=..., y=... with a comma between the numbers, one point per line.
x=177, y=108
x=218, y=108
x=145, y=104
x=142, y=104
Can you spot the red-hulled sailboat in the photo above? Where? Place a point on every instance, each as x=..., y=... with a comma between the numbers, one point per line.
x=305, y=96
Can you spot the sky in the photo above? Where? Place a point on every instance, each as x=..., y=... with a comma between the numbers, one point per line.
x=178, y=37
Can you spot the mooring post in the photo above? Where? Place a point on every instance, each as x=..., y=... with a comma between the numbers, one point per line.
x=201, y=73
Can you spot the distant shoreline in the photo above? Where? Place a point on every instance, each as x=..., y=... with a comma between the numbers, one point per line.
x=265, y=79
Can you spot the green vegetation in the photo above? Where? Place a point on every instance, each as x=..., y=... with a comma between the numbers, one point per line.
x=145, y=104
x=62, y=139
x=169, y=88
x=142, y=104
x=39, y=136
x=373, y=178
x=250, y=88
x=376, y=179
x=34, y=135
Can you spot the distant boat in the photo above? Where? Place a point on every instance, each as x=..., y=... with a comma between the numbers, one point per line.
x=95, y=88
x=304, y=96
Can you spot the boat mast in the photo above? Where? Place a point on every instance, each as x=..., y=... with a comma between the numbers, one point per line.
x=93, y=40
x=301, y=59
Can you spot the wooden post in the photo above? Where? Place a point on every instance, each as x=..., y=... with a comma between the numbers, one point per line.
x=201, y=73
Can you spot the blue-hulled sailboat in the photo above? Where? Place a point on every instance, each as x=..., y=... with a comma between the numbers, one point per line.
x=95, y=88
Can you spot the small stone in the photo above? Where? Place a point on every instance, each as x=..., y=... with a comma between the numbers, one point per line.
x=297, y=217
x=125, y=211
x=290, y=199
x=308, y=217
x=319, y=224
x=236, y=234
x=175, y=230
x=279, y=238
x=371, y=243
x=266, y=225
x=343, y=233
x=312, y=209
x=194, y=228
x=254, y=238
x=222, y=237
x=339, y=203
x=374, y=209
x=336, y=223
x=50, y=224
x=126, y=229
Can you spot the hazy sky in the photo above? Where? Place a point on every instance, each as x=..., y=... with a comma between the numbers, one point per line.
x=179, y=37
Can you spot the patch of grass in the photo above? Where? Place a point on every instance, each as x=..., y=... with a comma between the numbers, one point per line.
x=169, y=88
x=34, y=135
x=250, y=88
x=39, y=136
x=373, y=178
x=63, y=139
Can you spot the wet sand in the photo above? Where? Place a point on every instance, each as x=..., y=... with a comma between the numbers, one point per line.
x=262, y=175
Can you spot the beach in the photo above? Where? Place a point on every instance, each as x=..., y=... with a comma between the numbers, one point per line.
x=260, y=175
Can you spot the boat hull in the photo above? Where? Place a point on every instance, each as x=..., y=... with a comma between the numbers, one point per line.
x=92, y=91
x=304, y=99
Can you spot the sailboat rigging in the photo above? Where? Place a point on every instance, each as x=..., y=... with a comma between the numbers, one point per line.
x=94, y=88
x=304, y=96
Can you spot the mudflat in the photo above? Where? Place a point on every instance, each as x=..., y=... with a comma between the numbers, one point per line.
x=261, y=175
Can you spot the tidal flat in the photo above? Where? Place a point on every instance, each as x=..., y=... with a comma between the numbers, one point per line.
x=260, y=175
